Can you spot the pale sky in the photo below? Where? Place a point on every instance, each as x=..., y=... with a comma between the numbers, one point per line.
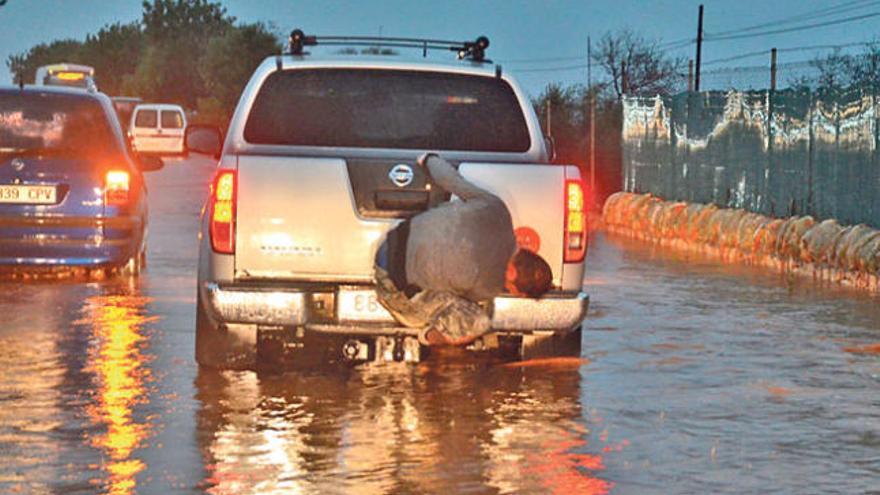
x=554, y=31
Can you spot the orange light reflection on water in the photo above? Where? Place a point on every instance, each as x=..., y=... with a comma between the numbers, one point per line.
x=119, y=366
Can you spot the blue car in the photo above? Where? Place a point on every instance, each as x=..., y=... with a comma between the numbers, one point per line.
x=71, y=189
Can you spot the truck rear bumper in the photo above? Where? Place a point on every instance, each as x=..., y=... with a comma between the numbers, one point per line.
x=300, y=308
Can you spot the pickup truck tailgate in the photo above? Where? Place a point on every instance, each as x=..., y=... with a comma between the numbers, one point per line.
x=296, y=220
x=297, y=217
x=534, y=195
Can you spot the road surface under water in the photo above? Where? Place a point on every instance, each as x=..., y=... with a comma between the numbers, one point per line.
x=694, y=378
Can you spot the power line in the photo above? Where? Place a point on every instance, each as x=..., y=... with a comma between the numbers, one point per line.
x=796, y=28
x=541, y=60
x=663, y=47
x=816, y=14
x=793, y=49
x=554, y=69
x=758, y=68
x=669, y=45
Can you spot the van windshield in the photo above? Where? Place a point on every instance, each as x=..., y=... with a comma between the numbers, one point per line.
x=370, y=108
x=54, y=124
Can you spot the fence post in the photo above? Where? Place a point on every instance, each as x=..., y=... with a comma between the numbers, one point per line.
x=690, y=75
x=811, y=210
x=770, y=182
x=875, y=159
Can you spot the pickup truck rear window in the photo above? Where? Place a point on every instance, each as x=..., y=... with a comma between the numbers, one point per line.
x=369, y=108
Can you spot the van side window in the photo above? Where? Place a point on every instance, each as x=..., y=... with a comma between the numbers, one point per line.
x=171, y=119
x=146, y=118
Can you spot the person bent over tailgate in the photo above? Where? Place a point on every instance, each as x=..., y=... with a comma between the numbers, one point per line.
x=440, y=270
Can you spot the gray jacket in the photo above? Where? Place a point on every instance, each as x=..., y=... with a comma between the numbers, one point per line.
x=460, y=246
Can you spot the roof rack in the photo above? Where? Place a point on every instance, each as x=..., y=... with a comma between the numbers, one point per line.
x=471, y=50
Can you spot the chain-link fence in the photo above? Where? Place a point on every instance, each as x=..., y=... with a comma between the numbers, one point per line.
x=774, y=152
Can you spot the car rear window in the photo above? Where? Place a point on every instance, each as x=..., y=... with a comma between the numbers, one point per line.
x=146, y=118
x=171, y=119
x=368, y=108
x=37, y=123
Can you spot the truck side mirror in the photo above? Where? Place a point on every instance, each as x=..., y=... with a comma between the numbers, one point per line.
x=204, y=139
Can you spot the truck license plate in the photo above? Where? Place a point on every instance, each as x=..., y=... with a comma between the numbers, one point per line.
x=40, y=195
x=361, y=305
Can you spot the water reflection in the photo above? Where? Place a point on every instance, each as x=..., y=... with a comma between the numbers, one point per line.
x=118, y=364
x=441, y=427
x=69, y=391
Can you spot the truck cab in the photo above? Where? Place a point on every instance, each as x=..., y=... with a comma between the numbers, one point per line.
x=319, y=162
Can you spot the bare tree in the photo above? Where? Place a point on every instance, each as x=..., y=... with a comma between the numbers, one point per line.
x=638, y=66
x=866, y=68
x=834, y=71
x=838, y=71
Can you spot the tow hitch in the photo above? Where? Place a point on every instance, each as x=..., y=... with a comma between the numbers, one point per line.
x=281, y=347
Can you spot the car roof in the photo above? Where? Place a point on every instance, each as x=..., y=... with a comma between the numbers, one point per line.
x=158, y=106
x=57, y=90
x=69, y=67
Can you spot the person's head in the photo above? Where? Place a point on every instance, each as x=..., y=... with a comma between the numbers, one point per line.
x=527, y=274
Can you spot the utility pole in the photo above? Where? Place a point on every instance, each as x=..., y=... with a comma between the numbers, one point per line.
x=699, y=48
x=549, y=117
x=773, y=69
x=589, y=63
x=592, y=95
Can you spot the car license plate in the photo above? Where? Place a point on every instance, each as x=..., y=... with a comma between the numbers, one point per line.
x=361, y=305
x=41, y=195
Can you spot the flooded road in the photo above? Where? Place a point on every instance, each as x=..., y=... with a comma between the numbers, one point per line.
x=694, y=379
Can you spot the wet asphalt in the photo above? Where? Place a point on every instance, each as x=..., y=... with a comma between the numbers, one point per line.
x=693, y=378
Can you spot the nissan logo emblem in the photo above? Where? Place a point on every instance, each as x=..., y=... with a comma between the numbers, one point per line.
x=17, y=164
x=401, y=175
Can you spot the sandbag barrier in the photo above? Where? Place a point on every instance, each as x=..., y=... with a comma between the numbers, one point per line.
x=825, y=251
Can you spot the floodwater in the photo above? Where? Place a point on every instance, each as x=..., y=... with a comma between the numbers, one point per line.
x=694, y=378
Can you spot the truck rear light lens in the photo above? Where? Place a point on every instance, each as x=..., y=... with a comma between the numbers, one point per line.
x=575, y=241
x=116, y=187
x=223, y=195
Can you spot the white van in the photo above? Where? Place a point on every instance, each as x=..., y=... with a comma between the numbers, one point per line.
x=158, y=128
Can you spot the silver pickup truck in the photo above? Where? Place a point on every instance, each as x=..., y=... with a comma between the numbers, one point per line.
x=319, y=163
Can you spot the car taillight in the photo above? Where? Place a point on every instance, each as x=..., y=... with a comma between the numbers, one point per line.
x=116, y=187
x=575, y=241
x=223, y=195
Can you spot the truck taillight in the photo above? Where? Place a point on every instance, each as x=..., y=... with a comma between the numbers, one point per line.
x=575, y=241
x=116, y=187
x=223, y=195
